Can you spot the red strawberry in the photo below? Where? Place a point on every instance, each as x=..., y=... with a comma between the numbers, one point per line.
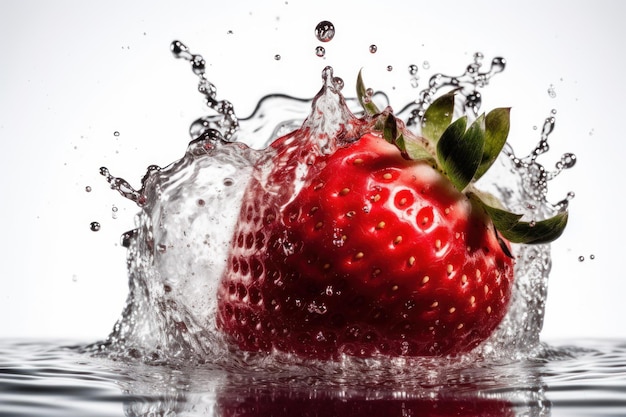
x=358, y=237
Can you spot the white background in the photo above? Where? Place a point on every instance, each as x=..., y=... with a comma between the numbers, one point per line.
x=74, y=72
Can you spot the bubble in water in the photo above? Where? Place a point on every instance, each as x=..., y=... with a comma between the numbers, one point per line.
x=426, y=65
x=373, y=49
x=414, y=82
x=320, y=51
x=88, y=189
x=581, y=258
x=389, y=68
x=413, y=69
x=592, y=256
x=94, y=226
x=277, y=57
x=114, y=212
x=324, y=31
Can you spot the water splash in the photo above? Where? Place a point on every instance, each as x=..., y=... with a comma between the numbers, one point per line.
x=188, y=210
x=468, y=84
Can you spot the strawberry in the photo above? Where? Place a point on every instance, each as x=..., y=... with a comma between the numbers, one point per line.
x=358, y=237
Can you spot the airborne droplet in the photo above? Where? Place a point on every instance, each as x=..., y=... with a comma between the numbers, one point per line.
x=320, y=51
x=413, y=69
x=324, y=31
x=373, y=49
x=94, y=226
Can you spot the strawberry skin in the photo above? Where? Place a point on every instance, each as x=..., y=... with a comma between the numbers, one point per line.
x=366, y=253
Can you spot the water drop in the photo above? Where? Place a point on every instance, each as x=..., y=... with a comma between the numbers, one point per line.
x=228, y=181
x=426, y=65
x=114, y=212
x=277, y=57
x=201, y=202
x=414, y=82
x=324, y=31
x=94, y=226
x=116, y=133
x=198, y=64
x=338, y=83
x=413, y=69
x=568, y=160
x=581, y=258
x=373, y=49
x=88, y=189
x=74, y=278
x=179, y=49
x=320, y=51
x=389, y=68
x=592, y=256
x=128, y=237
x=551, y=91
x=498, y=64
x=230, y=32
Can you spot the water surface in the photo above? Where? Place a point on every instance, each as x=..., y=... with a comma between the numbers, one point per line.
x=59, y=378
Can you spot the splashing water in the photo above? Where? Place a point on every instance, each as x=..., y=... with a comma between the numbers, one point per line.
x=188, y=210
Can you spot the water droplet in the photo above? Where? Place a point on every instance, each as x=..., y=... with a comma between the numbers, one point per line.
x=338, y=83
x=568, y=160
x=426, y=65
x=198, y=64
x=179, y=49
x=230, y=32
x=320, y=51
x=373, y=49
x=324, y=31
x=277, y=57
x=116, y=133
x=581, y=258
x=592, y=256
x=88, y=189
x=414, y=82
x=228, y=181
x=551, y=91
x=74, y=278
x=389, y=68
x=94, y=226
x=413, y=69
x=114, y=212
x=128, y=237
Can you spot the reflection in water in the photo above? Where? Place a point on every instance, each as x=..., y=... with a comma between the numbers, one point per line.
x=469, y=390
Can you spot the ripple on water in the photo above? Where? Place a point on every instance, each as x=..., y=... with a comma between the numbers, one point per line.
x=56, y=379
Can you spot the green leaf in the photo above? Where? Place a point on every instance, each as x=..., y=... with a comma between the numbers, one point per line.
x=361, y=92
x=544, y=231
x=497, y=125
x=503, y=220
x=390, y=129
x=460, y=152
x=415, y=150
x=509, y=225
x=438, y=116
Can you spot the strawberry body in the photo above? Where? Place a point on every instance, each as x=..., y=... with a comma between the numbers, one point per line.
x=359, y=251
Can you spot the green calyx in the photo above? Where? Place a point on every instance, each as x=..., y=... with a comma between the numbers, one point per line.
x=464, y=154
